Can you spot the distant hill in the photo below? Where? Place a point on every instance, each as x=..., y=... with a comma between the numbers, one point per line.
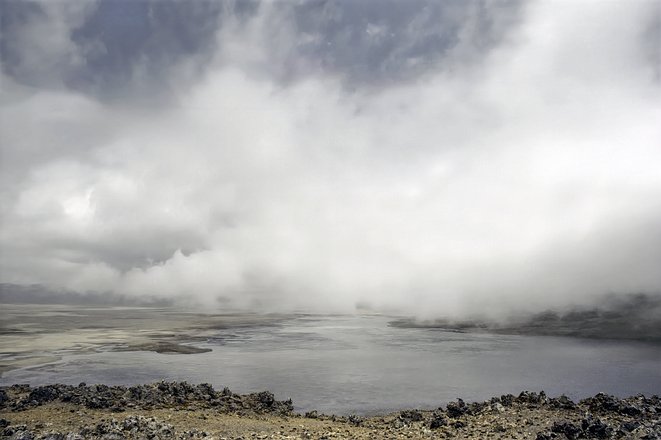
x=631, y=317
x=39, y=294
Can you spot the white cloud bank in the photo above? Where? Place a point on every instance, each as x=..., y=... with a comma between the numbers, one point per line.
x=529, y=179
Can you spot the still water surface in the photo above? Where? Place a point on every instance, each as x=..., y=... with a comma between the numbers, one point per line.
x=358, y=364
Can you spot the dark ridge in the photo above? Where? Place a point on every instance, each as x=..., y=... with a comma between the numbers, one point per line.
x=39, y=294
x=620, y=317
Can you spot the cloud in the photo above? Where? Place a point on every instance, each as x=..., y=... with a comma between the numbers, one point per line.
x=517, y=173
x=36, y=40
x=369, y=44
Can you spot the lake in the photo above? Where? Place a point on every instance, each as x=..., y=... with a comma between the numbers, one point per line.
x=334, y=364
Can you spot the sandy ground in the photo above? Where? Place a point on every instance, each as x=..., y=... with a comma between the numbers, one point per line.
x=520, y=423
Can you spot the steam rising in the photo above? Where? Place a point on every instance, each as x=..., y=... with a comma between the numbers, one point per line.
x=521, y=175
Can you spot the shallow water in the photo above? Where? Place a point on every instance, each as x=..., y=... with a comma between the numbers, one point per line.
x=358, y=364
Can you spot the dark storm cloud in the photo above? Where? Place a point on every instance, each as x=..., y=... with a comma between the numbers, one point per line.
x=35, y=44
x=112, y=47
x=122, y=49
x=134, y=44
x=385, y=41
x=425, y=157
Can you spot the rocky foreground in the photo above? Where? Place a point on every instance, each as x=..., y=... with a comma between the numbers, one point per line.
x=178, y=410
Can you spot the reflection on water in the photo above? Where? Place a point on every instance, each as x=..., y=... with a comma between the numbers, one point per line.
x=346, y=364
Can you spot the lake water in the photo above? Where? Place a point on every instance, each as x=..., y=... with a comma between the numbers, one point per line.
x=359, y=364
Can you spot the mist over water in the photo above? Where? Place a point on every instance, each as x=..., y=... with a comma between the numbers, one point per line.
x=429, y=159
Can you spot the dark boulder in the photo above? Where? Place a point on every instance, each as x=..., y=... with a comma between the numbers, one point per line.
x=412, y=415
x=477, y=407
x=629, y=427
x=45, y=394
x=437, y=421
x=567, y=428
x=631, y=410
x=456, y=409
x=562, y=402
x=595, y=428
x=532, y=398
x=507, y=399
x=18, y=432
x=266, y=398
x=602, y=403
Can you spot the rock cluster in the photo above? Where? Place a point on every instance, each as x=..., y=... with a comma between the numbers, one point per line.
x=635, y=417
x=133, y=427
x=599, y=417
x=259, y=415
x=152, y=396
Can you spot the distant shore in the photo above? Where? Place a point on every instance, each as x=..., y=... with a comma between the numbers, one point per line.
x=178, y=410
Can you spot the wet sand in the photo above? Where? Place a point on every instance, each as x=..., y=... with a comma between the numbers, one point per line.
x=38, y=334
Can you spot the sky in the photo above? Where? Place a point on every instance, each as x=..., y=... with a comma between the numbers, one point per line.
x=436, y=158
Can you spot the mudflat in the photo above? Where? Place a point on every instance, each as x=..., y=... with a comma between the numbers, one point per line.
x=178, y=410
x=38, y=334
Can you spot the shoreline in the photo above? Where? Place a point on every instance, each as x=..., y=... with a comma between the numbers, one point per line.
x=179, y=410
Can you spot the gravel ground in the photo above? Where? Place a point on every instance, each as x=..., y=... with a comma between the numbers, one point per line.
x=178, y=410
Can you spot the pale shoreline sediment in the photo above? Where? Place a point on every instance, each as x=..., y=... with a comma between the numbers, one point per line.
x=36, y=334
x=179, y=410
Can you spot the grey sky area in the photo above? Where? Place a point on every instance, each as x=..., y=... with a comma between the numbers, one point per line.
x=425, y=157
